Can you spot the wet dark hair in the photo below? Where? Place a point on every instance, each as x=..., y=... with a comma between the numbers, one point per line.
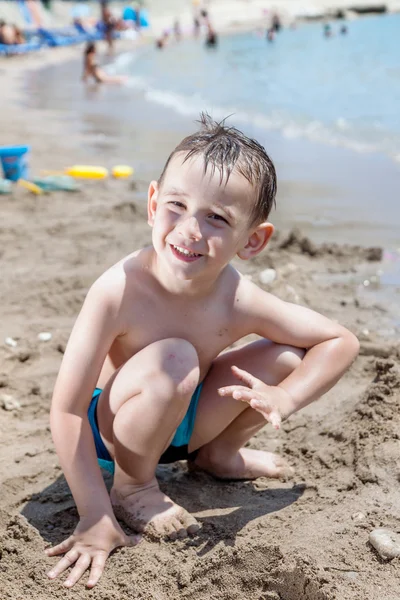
x=228, y=149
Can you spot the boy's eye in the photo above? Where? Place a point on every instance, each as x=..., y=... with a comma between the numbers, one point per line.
x=177, y=203
x=218, y=218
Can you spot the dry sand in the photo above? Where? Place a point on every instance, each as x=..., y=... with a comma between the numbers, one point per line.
x=304, y=539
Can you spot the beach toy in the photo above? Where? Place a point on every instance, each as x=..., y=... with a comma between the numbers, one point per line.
x=53, y=183
x=5, y=186
x=14, y=162
x=122, y=171
x=87, y=172
x=35, y=189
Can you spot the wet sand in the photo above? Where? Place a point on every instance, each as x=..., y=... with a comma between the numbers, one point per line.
x=303, y=539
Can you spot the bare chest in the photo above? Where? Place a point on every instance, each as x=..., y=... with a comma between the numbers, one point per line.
x=209, y=328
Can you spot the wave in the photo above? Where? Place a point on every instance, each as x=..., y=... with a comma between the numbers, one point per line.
x=121, y=63
x=341, y=133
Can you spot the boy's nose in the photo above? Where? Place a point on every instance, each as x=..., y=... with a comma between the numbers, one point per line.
x=190, y=228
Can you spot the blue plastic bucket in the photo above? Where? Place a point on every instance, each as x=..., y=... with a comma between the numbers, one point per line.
x=14, y=160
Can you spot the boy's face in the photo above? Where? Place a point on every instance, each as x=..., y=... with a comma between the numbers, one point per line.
x=200, y=223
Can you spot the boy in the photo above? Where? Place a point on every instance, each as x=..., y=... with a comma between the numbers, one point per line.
x=150, y=336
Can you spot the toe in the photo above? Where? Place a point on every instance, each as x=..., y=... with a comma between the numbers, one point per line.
x=193, y=529
x=189, y=523
x=283, y=468
x=179, y=531
x=170, y=529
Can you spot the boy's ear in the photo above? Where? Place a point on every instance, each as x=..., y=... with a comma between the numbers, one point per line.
x=257, y=241
x=152, y=196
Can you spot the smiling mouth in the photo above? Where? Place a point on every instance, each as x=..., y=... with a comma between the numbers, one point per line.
x=184, y=254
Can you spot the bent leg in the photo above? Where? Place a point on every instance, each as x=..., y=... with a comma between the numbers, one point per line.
x=224, y=425
x=139, y=410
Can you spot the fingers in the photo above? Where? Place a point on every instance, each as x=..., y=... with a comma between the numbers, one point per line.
x=269, y=413
x=82, y=564
x=234, y=391
x=60, y=548
x=255, y=400
x=81, y=558
x=97, y=568
x=244, y=394
x=63, y=564
x=244, y=376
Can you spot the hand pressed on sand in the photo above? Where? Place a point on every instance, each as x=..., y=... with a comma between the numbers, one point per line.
x=88, y=548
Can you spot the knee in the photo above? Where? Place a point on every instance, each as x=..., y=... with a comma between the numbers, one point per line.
x=176, y=373
x=287, y=359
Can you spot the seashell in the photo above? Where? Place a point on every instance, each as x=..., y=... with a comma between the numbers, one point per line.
x=9, y=341
x=9, y=403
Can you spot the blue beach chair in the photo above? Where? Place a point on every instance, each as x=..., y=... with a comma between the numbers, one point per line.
x=13, y=49
x=92, y=36
x=53, y=38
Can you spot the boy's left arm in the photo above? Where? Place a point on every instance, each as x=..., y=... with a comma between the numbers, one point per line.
x=329, y=351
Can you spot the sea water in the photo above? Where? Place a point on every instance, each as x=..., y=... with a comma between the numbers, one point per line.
x=340, y=91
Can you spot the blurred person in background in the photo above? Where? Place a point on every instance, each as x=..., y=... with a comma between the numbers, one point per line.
x=91, y=69
x=109, y=24
x=211, y=37
x=270, y=34
x=10, y=34
x=163, y=40
x=177, y=30
x=276, y=23
x=6, y=33
x=196, y=26
x=19, y=37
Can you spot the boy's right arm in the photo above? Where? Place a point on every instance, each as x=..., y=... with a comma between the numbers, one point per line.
x=98, y=532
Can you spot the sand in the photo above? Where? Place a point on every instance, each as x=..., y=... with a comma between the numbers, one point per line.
x=302, y=539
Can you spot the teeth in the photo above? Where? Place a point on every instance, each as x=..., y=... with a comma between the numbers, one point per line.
x=185, y=252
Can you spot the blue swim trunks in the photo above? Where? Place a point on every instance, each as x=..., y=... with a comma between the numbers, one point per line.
x=178, y=449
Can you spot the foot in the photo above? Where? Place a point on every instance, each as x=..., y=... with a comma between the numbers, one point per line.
x=245, y=464
x=146, y=509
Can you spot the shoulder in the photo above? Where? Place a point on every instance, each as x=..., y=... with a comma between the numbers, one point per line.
x=112, y=285
x=252, y=300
